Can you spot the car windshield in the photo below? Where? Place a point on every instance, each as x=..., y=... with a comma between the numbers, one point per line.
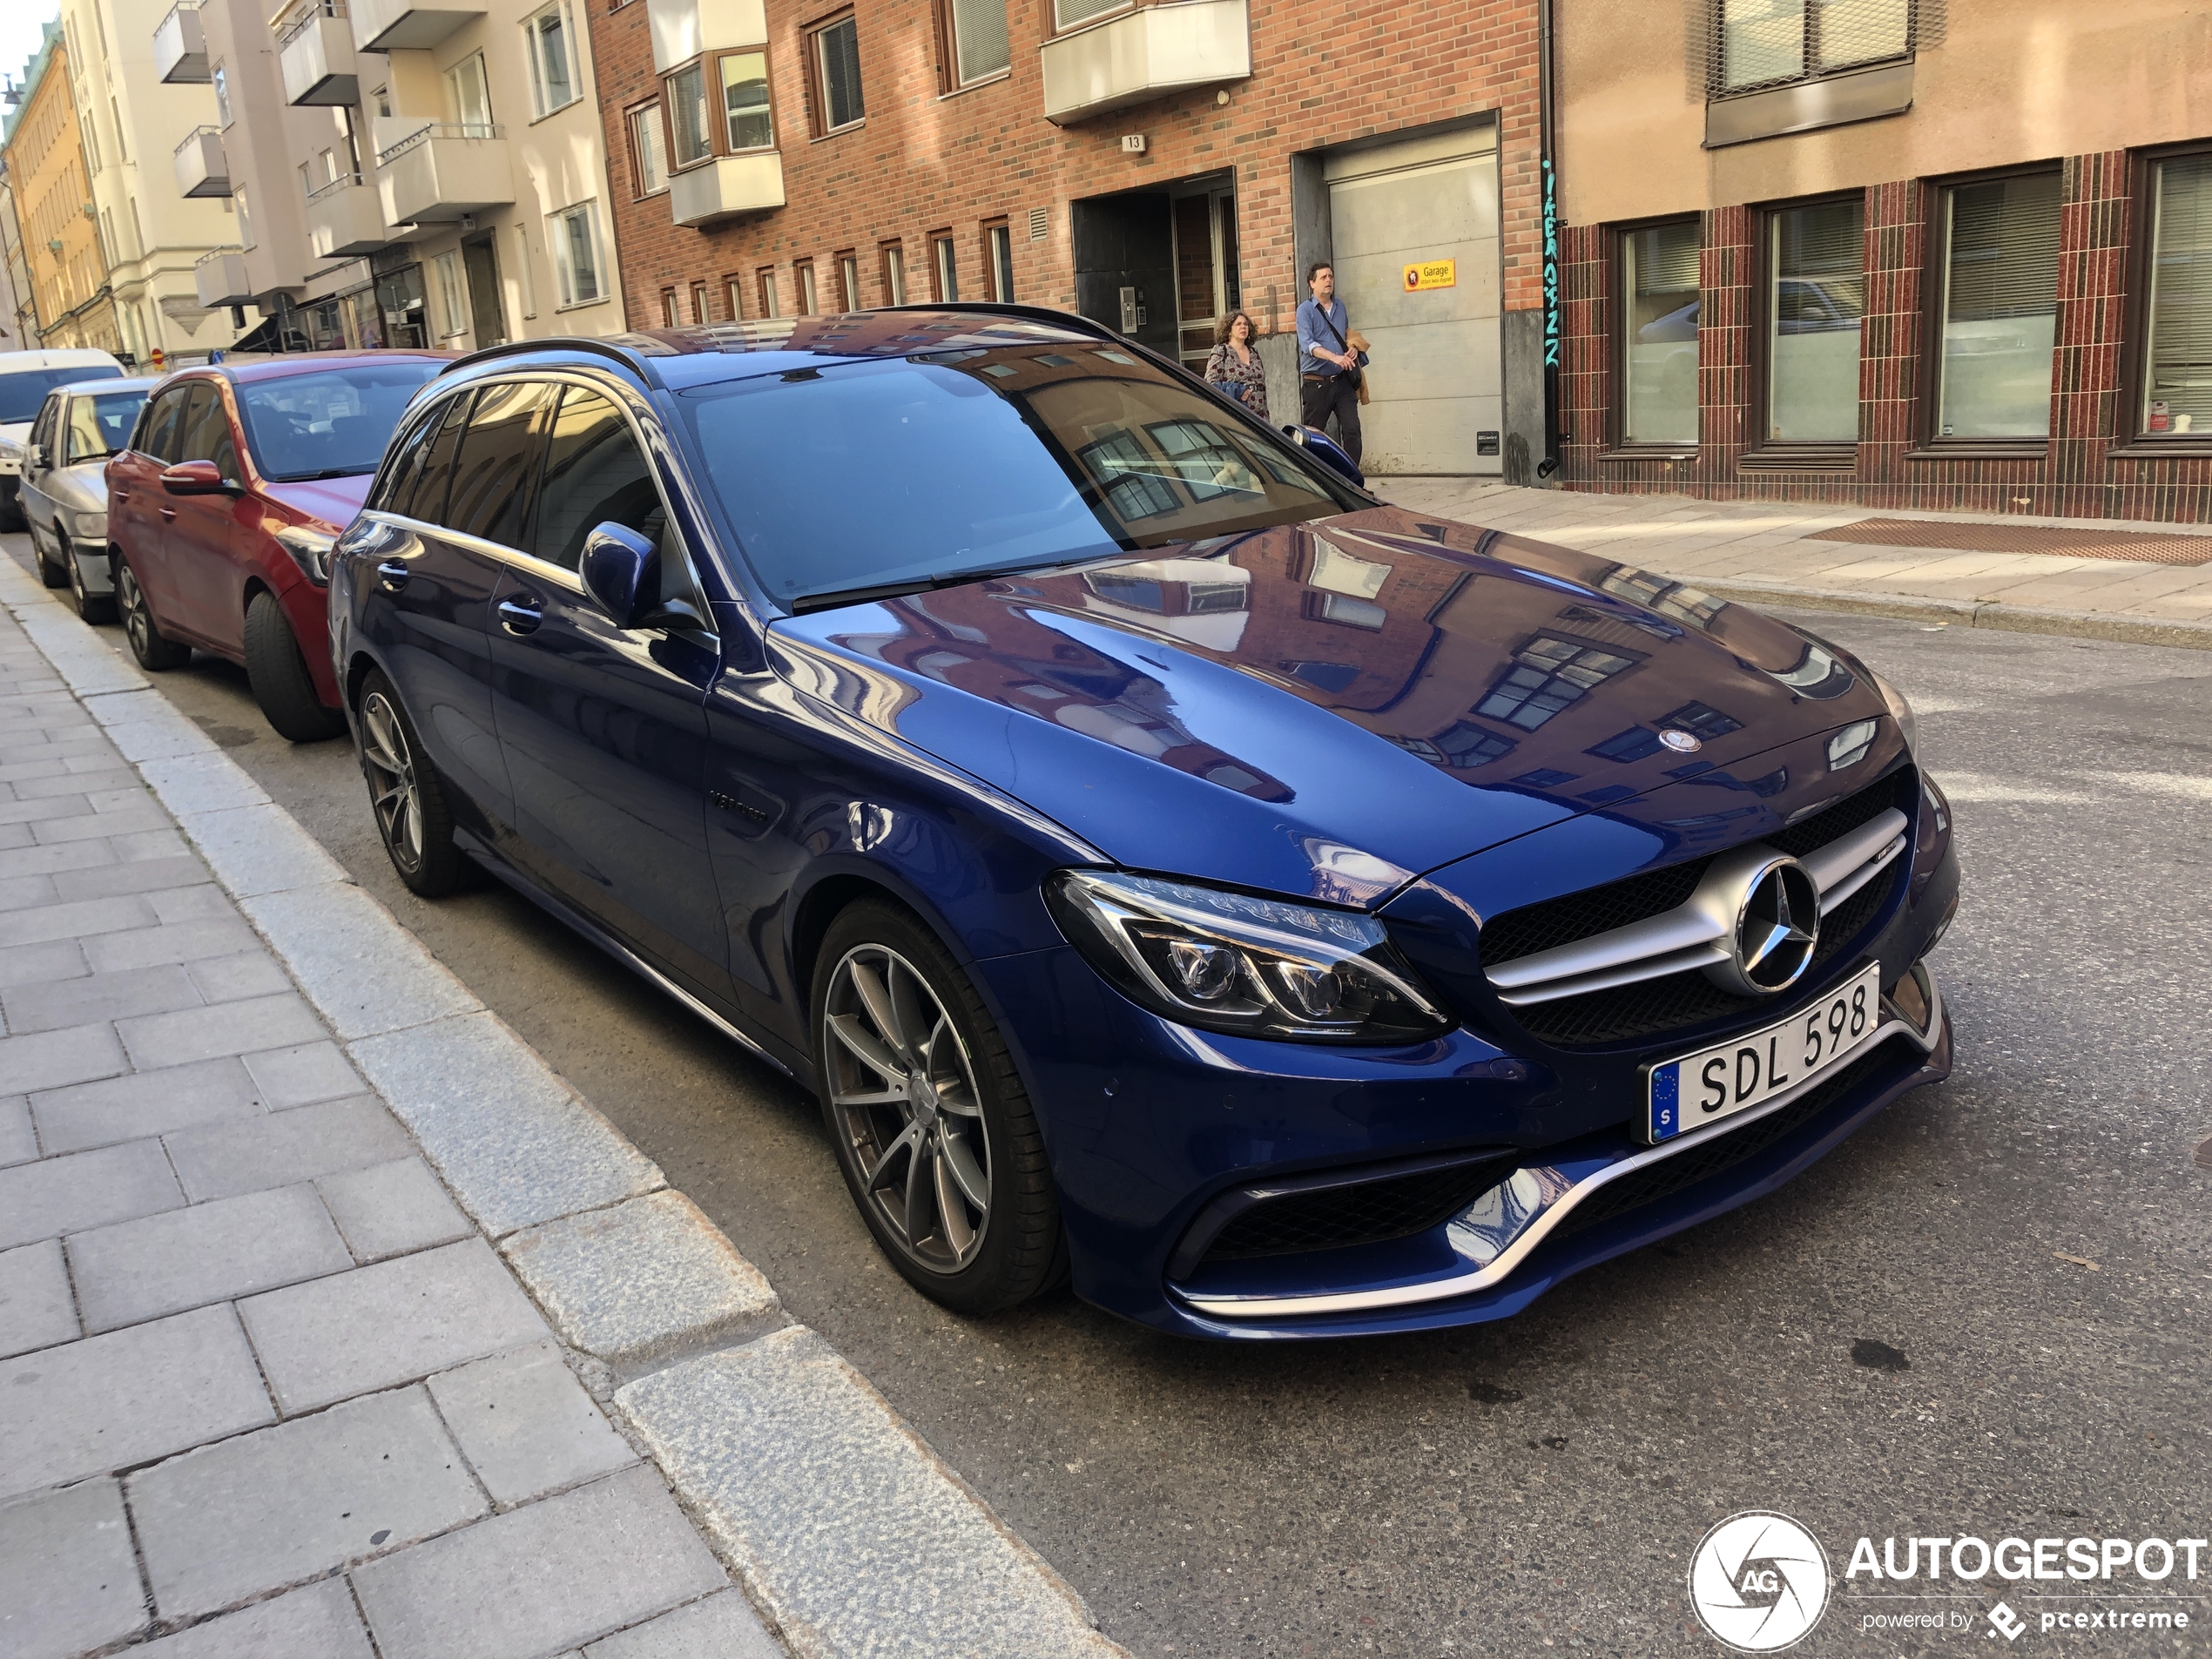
x=872, y=477
x=22, y=391
x=100, y=425
x=327, y=423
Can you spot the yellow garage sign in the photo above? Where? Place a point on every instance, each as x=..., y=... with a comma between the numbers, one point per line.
x=1432, y=273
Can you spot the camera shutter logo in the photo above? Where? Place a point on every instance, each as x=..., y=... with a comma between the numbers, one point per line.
x=1759, y=1582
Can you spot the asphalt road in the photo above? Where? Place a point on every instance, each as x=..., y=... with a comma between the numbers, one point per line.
x=1985, y=1315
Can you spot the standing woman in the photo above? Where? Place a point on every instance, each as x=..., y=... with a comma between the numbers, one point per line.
x=1235, y=367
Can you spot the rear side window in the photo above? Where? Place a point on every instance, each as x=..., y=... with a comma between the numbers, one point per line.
x=594, y=473
x=42, y=431
x=423, y=496
x=395, y=485
x=497, y=464
x=158, y=433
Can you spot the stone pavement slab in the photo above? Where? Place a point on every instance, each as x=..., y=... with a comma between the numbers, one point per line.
x=392, y=1209
x=247, y=1153
x=279, y=1507
x=36, y=1308
x=304, y=1074
x=203, y=1034
x=143, y=1103
x=98, y=997
x=722, y=1626
x=526, y=1424
x=62, y=1195
x=387, y=1324
x=317, y=1622
x=109, y=1402
x=137, y=1270
x=68, y=1579
x=531, y=1583
x=54, y=1059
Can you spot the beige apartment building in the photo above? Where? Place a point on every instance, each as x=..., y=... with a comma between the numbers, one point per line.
x=1932, y=253
x=402, y=176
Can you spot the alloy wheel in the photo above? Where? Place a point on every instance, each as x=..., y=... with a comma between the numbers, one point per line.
x=392, y=788
x=76, y=578
x=902, y=1095
x=138, y=622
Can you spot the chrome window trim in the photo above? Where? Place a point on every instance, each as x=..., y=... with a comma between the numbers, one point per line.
x=1500, y=1267
x=514, y=557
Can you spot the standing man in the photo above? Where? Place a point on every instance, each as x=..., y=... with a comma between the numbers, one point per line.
x=1328, y=368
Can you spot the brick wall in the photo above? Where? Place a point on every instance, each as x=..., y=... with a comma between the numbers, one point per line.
x=924, y=163
x=2083, y=471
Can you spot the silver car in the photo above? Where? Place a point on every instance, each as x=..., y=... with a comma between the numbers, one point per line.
x=64, y=484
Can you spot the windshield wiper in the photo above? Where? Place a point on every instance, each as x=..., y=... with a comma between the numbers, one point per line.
x=943, y=579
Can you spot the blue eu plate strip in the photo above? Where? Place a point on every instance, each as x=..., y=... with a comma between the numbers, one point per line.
x=1666, y=1087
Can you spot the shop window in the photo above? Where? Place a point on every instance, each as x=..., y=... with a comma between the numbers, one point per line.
x=835, y=48
x=1659, y=333
x=2000, y=308
x=979, y=46
x=648, y=150
x=547, y=42
x=1816, y=298
x=1769, y=42
x=998, y=262
x=2177, y=381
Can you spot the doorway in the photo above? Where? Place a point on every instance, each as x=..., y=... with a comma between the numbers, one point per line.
x=487, y=318
x=1160, y=265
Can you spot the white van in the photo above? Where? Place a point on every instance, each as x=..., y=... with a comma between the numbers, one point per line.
x=25, y=378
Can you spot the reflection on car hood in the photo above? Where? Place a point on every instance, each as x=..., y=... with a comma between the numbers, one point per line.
x=82, y=488
x=335, y=501
x=1328, y=708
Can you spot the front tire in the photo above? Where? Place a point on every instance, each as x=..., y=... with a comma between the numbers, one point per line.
x=91, y=607
x=11, y=516
x=412, y=817
x=156, y=653
x=933, y=1128
x=277, y=673
x=54, y=576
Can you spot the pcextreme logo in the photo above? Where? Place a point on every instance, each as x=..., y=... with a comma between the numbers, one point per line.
x=1759, y=1582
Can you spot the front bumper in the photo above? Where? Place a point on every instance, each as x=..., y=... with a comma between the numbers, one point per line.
x=98, y=576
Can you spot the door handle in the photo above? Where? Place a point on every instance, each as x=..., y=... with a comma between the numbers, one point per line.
x=520, y=614
x=391, y=575
x=120, y=495
x=168, y=512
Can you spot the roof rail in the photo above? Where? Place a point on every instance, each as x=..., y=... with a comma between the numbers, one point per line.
x=1070, y=320
x=635, y=362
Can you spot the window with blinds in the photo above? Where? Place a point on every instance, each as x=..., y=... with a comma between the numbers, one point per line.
x=2177, y=383
x=1769, y=43
x=1067, y=13
x=1659, y=341
x=1816, y=298
x=2000, y=303
x=979, y=45
x=837, y=52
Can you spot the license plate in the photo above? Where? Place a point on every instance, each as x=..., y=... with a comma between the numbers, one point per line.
x=1746, y=1071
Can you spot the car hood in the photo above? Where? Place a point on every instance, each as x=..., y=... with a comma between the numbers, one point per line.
x=13, y=435
x=335, y=501
x=1330, y=708
x=83, y=487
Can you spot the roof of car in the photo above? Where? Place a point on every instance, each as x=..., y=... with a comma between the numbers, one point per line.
x=108, y=387
x=269, y=368
x=57, y=357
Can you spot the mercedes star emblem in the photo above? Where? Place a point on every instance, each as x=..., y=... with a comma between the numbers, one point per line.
x=1683, y=743
x=1778, y=924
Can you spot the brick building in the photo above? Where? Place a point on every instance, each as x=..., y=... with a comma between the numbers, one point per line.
x=1152, y=166
x=1918, y=253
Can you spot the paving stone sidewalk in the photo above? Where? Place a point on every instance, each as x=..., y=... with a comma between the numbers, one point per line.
x=1766, y=551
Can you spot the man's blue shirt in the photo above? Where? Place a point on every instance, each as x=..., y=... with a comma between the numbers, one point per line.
x=1311, y=333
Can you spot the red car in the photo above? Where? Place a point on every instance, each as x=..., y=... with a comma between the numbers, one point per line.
x=222, y=511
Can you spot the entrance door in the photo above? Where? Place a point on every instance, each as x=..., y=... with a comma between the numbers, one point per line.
x=1126, y=265
x=488, y=319
x=1436, y=402
x=1205, y=266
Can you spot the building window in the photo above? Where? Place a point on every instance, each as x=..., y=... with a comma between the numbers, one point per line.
x=748, y=123
x=1659, y=333
x=471, y=96
x=1999, y=310
x=836, y=50
x=690, y=139
x=575, y=236
x=770, y=306
x=733, y=292
x=221, y=77
x=998, y=262
x=698, y=303
x=546, y=41
x=848, y=282
x=648, y=150
x=1816, y=298
x=1067, y=13
x=981, y=49
x=447, y=266
x=1549, y=674
x=668, y=307
x=2177, y=386
x=894, y=274
x=946, y=265
x=802, y=273
x=1769, y=43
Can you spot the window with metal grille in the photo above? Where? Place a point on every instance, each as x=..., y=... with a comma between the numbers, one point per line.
x=1758, y=43
x=1550, y=673
x=2177, y=387
x=2000, y=287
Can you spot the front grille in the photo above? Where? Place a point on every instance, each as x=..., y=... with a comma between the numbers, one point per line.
x=1687, y=1169
x=1368, y=1212
x=1680, y=1001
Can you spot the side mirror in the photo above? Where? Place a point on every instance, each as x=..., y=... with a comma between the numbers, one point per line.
x=1326, y=449
x=34, y=457
x=195, y=478
x=621, y=571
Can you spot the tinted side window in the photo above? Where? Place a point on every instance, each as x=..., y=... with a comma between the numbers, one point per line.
x=204, y=426
x=497, y=465
x=159, y=434
x=425, y=496
x=396, y=484
x=594, y=473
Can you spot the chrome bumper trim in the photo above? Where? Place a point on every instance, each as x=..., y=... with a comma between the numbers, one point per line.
x=1524, y=1207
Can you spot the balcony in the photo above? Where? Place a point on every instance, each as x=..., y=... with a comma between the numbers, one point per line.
x=441, y=172
x=315, y=51
x=727, y=186
x=1146, y=54
x=389, y=25
x=181, y=47
x=201, y=168
x=220, y=278
x=684, y=28
x=345, y=217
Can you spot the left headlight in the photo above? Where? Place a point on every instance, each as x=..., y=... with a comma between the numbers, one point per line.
x=1230, y=961
x=1901, y=710
x=310, y=550
x=89, y=527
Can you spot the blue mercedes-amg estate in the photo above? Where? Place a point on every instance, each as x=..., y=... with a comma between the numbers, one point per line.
x=1278, y=913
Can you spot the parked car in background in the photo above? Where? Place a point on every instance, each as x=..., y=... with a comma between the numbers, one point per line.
x=64, y=484
x=25, y=378
x=222, y=511
x=1284, y=914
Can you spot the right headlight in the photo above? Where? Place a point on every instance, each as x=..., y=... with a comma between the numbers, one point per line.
x=1901, y=710
x=1230, y=961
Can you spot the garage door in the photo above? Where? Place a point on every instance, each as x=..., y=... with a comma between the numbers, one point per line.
x=1436, y=381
